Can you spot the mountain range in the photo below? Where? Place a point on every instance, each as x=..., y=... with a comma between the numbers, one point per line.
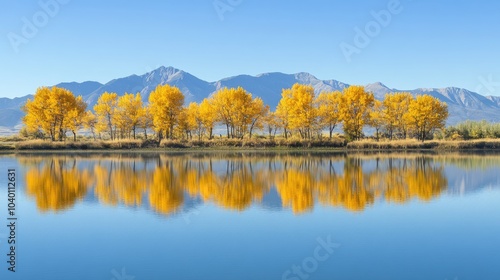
x=462, y=104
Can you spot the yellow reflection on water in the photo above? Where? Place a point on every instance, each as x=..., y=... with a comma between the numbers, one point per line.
x=236, y=181
x=57, y=185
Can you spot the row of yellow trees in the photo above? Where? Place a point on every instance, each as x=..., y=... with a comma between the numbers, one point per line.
x=58, y=183
x=397, y=115
x=56, y=111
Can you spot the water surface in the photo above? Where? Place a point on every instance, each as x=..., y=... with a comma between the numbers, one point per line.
x=254, y=216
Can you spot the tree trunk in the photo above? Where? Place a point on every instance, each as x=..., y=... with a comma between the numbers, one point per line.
x=110, y=126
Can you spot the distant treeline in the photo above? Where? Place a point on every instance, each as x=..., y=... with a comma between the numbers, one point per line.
x=55, y=112
x=473, y=130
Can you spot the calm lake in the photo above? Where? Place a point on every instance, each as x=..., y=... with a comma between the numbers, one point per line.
x=239, y=215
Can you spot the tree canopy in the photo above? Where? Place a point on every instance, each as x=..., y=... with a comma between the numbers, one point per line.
x=300, y=113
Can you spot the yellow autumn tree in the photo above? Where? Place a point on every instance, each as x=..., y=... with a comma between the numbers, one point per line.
x=283, y=112
x=195, y=119
x=146, y=121
x=105, y=110
x=271, y=123
x=90, y=122
x=426, y=114
x=297, y=110
x=396, y=105
x=222, y=105
x=75, y=119
x=256, y=114
x=355, y=108
x=241, y=110
x=208, y=116
x=328, y=104
x=54, y=111
x=376, y=117
x=129, y=112
x=185, y=124
x=237, y=110
x=165, y=106
x=36, y=118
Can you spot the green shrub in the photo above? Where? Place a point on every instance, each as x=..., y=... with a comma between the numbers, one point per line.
x=470, y=130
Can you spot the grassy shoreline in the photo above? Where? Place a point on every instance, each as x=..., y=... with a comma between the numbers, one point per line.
x=252, y=145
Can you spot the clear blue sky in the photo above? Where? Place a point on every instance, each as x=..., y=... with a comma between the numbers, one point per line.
x=428, y=43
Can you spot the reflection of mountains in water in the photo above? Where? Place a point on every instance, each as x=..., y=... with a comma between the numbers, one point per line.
x=178, y=183
x=462, y=183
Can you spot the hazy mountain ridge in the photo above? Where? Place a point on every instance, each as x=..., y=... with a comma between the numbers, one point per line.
x=463, y=104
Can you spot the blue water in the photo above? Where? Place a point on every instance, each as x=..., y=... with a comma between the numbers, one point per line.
x=261, y=216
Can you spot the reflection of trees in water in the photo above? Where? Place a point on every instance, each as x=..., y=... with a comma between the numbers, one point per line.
x=416, y=178
x=236, y=188
x=352, y=189
x=117, y=182
x=165, y=192
x=351, y=182
x=57, y=184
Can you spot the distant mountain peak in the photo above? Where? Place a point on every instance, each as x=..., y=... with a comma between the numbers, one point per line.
x=305, y=76
x=163, y=75
x=378, y=84
x=268, y=74
x=379, y=89
x=165, y=69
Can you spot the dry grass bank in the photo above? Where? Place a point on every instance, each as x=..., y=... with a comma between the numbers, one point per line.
x=410, y=144
x=177, y=144
x=253, y=143
x=83, y=145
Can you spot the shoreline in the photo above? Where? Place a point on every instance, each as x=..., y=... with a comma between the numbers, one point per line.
x=137, y=146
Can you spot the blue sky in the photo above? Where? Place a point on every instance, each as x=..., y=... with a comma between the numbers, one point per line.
x=426, y=43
